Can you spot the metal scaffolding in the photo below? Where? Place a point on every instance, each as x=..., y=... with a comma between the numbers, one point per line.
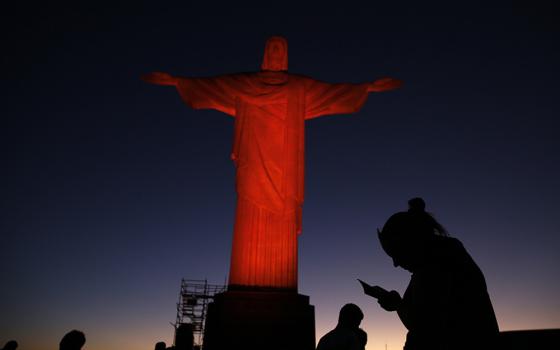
x=194, y=297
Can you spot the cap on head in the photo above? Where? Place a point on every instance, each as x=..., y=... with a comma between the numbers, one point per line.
x=275, y=54
x=406, y=229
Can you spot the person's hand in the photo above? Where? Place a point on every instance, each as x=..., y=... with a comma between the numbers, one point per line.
x=390, y=301
x=384, y=84
x=159, y=78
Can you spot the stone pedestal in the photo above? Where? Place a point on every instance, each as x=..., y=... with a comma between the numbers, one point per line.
x=263, y=320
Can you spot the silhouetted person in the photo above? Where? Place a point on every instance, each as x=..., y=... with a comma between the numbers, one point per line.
x=160, y=346
x=73, y=340
x=10, y=345
x=347, y=335
x=446, y=304
x=184, y=338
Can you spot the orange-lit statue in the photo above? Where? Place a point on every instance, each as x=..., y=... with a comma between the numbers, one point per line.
x=270, y=108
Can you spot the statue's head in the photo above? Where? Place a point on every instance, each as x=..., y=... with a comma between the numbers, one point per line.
x=275, y=54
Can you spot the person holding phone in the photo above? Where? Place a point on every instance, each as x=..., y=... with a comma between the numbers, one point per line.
x=446, y=304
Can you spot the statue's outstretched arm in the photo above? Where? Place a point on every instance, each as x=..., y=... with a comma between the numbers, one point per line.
x=384, y=84
x=202, y=93
x=160, y=78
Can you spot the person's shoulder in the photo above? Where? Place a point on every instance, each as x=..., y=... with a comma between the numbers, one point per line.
x=445, y=253
x=449, y=244
x=327, y=341
x=335, y=336
x=329, y=334
x=457, y=256
x=454, y=242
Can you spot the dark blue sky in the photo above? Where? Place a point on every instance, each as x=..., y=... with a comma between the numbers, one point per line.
x=113, y=190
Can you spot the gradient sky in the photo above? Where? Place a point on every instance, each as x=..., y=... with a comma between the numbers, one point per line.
x=113, y=190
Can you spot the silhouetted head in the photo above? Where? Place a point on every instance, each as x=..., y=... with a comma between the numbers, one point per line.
x=73, y=340
x=275, y=54
x=160, y=346
x=406, y=234
x=11, y=345
x=350, y=316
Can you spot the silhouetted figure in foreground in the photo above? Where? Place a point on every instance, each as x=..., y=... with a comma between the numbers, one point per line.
x=73, y=340
x=10, y=345
x=160, y=346
x=184, y=338
x=446, y=304
x=347, y=335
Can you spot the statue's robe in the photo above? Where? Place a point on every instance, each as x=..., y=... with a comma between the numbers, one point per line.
x=268, y=151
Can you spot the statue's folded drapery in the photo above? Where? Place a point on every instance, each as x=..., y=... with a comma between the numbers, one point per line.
x=268, y=150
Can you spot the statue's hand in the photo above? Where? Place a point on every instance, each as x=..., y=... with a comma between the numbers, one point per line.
x=390, y=301
x=159, y=78
x=384, y=84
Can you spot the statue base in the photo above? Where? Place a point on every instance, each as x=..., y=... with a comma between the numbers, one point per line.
x=260, y=319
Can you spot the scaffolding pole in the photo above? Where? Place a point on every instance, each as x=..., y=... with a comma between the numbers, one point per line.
x=194, y=297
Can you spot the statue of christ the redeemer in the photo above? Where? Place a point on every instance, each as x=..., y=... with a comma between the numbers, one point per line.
x=270, y=108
